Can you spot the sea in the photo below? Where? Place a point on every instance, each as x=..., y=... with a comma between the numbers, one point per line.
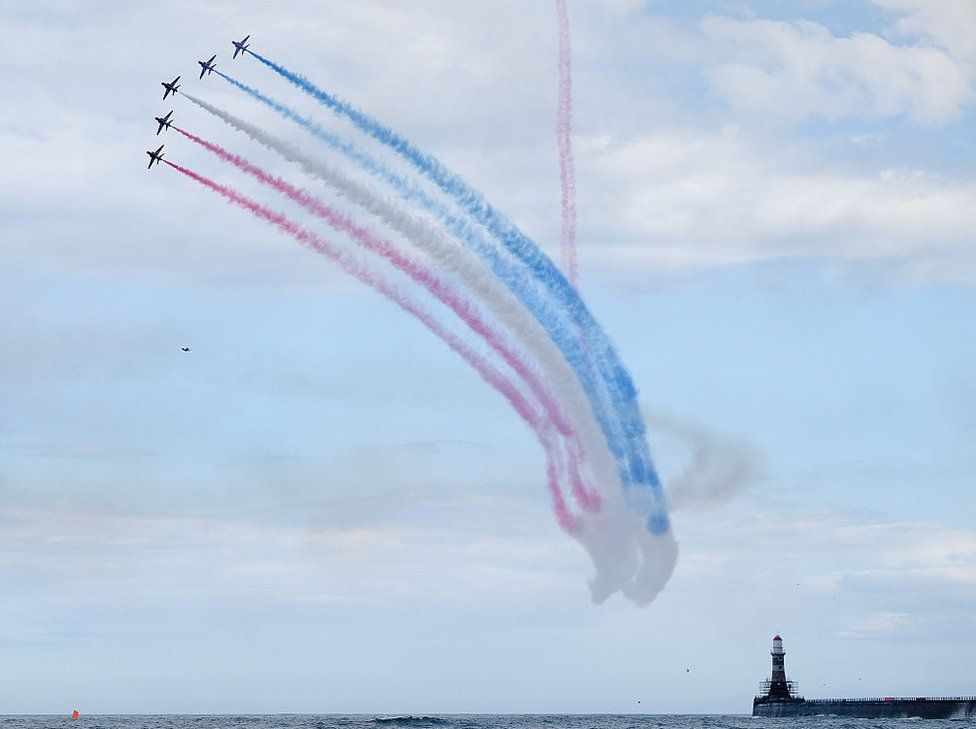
x=456, y=721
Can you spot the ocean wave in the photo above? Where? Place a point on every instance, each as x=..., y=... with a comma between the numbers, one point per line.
x=408, y=720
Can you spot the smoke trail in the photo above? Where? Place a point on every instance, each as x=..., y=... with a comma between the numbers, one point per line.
x=631, y=542
x=628, y=556
x=484, y=368
x=512, y=275
x=462, y=263
x=438, y=287
x=640, y=469
x=719, y=467
x=564, y=142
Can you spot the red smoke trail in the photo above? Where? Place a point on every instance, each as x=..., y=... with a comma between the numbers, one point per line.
x=440, y=288
x=564, y=141
x=484, y=368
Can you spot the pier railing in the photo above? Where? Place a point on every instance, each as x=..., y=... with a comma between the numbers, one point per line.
x=883, y=699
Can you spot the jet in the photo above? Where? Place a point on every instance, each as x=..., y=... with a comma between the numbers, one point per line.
x=171, y=87
x=185, y=349
x=240, y=46
x=207, y=66
x=164, y=122
x=155, y=156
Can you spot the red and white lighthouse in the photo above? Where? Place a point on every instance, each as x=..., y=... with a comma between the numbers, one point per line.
x=779, y=661
x=778, y=688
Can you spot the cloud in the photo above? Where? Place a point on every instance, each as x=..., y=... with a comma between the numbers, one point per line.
x=948, y=24
x=789, y=71
x=845, y=575
x=473, y=547
x=880, y=625
x=677, y=199
x=377, y=549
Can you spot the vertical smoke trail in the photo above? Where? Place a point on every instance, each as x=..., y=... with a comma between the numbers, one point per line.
x=640, y=469
x=442, y=290
x=511, y=274
x=564, y=142
x=484, y=368
x=466, y=266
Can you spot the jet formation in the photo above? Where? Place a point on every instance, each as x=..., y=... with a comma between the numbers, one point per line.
x=171, y=88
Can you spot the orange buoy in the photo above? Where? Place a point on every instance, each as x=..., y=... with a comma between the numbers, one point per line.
x=75, y=714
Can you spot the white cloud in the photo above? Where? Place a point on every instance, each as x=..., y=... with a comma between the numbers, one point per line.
x=678, y=199
x=948, y=24
x=483, y=558
x=879, y=625
x=850, y=575
x=484, y=547
x=774, y=71
x=89, y=554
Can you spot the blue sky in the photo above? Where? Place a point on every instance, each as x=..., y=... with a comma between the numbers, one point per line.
x=320, y=508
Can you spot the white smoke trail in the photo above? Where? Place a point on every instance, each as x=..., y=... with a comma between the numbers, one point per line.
x=627, y=558
x=719, y=467
x=467, y=267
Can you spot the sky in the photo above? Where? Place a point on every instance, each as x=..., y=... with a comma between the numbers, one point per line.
x=320, y=508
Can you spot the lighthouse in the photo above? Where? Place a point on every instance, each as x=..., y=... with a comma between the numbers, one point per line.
x=779, y=688
x=778, y=698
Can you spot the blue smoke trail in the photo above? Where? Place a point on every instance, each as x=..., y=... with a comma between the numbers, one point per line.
x=633, y=456
x=511, y=274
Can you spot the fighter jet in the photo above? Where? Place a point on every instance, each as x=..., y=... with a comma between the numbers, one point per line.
x=240, y=46
x=171, y=87
x=155, y=156
x=185, y=349
x=207, y=66
x=164, y=122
